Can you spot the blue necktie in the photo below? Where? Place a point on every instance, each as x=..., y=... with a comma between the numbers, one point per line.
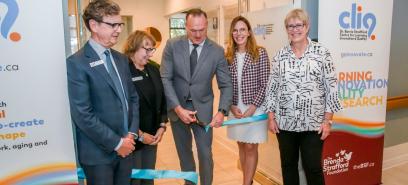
x=118, y=87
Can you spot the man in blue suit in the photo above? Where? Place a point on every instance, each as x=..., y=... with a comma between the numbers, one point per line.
x=104, y=104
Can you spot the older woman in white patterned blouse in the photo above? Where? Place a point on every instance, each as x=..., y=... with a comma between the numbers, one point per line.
x=302, y=97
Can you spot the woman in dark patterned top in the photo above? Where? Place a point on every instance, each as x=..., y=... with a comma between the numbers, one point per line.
x=249, y=67
x=302, y=97
x=153, y=112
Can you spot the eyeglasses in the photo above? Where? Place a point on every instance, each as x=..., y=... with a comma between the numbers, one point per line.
x=241, y=30
x=149, y=50
x=114, y=26
x=292, y=27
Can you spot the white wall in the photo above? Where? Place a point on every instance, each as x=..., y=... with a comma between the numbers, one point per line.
x=156, y=13
x=148, y=13
x=275, y=16
x=214, y=8
x=176, y=6
x=398, y=58
x=396, y=125
x=255, y=5
x=311, y=6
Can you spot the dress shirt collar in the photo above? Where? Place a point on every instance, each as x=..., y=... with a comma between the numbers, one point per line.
x=199, y=45
x=99, y=49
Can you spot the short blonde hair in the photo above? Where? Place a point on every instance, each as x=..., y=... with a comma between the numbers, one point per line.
x=297, y=14
x=135, y=42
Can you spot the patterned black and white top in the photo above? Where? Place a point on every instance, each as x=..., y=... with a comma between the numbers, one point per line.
x=301, y=90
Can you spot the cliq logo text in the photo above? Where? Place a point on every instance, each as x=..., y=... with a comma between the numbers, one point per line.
x=357, y=20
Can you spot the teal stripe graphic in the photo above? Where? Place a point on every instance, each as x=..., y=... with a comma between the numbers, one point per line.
x=377, y=131
x=155, y=174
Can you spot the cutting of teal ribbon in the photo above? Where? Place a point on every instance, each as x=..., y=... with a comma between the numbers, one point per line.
x=155, y=174
x=242, y=120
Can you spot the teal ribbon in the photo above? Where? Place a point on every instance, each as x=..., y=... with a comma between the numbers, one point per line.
x=241, y=121
x=155, y=174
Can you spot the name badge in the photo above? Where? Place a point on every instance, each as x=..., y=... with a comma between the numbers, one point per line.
x=137, y=78
x=96, y=63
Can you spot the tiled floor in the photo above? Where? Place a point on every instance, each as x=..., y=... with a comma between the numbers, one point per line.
x=396, y=175
x=395, y=165
x=225, y=151
x=224, y=154
x=226, y=158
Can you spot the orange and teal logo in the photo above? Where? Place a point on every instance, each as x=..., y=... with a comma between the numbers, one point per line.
x=357, y=24
x=7, y=20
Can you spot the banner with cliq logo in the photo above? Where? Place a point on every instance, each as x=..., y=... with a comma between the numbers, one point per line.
x=36, y=144
x=358, y=33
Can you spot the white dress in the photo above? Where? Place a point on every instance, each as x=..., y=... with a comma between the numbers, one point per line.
x=255, y=132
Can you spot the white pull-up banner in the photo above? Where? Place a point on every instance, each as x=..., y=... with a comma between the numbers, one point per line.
x=358, y=34
x=36, y=141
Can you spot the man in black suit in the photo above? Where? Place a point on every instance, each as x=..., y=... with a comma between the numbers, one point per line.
x=103, y=101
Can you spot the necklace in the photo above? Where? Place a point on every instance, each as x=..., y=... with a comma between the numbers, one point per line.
x=144, y=73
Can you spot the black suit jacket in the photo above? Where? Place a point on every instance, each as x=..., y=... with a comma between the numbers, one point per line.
x=151, y=113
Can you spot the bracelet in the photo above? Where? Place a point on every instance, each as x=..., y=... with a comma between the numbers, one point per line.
x=163, y=125
x=141, y=137
x=330, y=122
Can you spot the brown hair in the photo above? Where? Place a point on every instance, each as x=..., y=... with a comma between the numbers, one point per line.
x=135, y=41
x=251, y=46
x=97, y=9
x=195, y=12
x=297, y=14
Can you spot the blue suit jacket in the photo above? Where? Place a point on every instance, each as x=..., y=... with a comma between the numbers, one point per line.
x=96, y=108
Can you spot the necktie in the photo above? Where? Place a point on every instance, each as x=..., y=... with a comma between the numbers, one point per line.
x=118, y=87
x=193, y=59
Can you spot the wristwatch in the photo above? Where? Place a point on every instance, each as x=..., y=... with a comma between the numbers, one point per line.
x=134, y=135
x=223, y=111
